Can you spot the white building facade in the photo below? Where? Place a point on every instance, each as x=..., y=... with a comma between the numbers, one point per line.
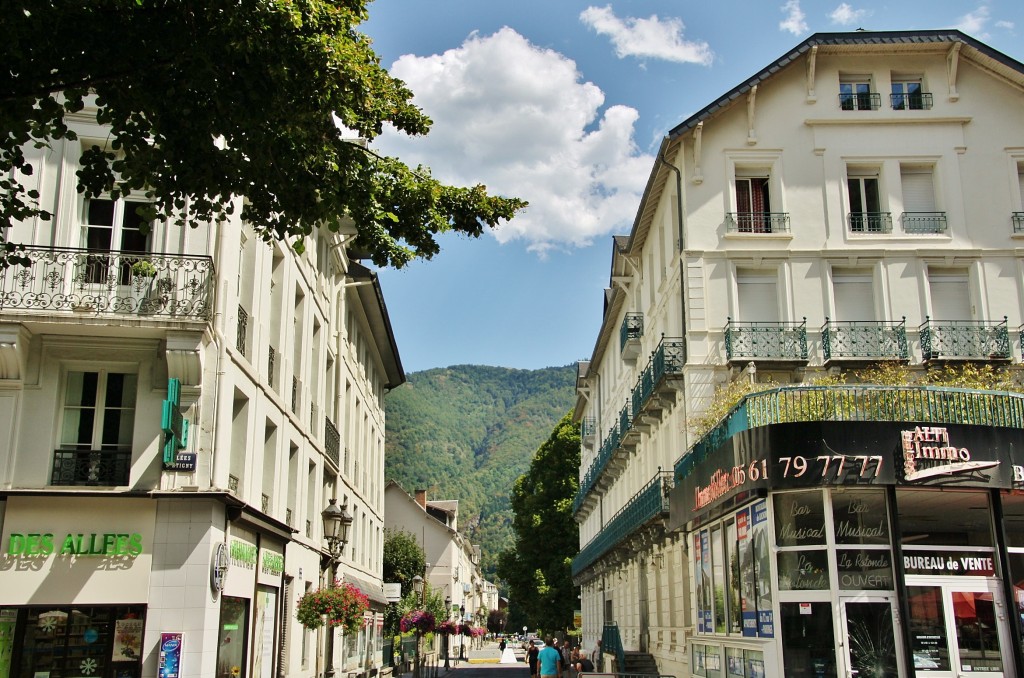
x=860, y=200
x=177, y=407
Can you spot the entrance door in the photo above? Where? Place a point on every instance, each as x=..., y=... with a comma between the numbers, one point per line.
x=959, y=630
x=870, y=648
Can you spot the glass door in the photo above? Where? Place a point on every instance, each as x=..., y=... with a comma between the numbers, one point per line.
x=959, y=630
x=871, y=649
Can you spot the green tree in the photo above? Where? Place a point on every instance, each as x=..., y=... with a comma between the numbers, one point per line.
x=208, y=102
x=403, y=558
x=496, y=620
x=538, y=569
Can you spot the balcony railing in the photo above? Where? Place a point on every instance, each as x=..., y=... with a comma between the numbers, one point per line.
x=647, y=504
x=912, y=404
x=91, y=467
x=870, y=222
x=860, y=101
x=964, y=339
x=1018, y=222
x=766, y=340
x=588, y=427
x=757, y=222
x=871, y=339
x=332, y=441
x=295, y=395
x=271, y=358
x=632, y=328
x=233, y=484
x=265, y=503
x=109, y=283
x=923, y=222
x=914, y=101
x=289, y=517
x=241, y=330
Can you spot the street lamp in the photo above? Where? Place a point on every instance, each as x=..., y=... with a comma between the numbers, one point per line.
x=447, y=616
x=462, y=642
x=337, y=520
x=419, y=590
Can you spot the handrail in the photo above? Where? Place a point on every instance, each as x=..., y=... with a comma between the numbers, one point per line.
x=611, y=641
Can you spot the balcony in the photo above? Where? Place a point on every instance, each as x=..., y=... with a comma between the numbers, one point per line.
x=860, y=101
x=870, y=222
x=1017, y=218
x=923, y=222
x=911, y=404
x=109, y=284
x=241, y=330
x=588, y=431
x=648, y=504
x=110, y=468
x=757, y=222
x=631, y=330
x=964, y=340
x=780, y=341
x=911, y=101
x=865, y=340
x=332, y=441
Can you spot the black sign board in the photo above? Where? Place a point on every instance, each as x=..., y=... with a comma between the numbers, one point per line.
x=183, y=462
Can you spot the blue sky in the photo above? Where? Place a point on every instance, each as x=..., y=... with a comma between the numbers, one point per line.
x=564, y=103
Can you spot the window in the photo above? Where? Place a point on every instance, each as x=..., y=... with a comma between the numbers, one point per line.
x=919, y=210
x=113, y=226
x=866, y=214
x=96, y=431
x=855, y=95
x=753, y=205
x=908, y=95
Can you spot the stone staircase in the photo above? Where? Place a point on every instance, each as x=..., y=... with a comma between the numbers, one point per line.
x=640, y=663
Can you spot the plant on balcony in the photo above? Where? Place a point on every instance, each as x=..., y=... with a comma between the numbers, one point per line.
x=339, y=605
x=144, y=269
x=421, y=621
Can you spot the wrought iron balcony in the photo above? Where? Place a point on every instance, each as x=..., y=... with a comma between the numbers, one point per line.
x=757, y=222
x=109, y=284
x=271, y=358
x=332, y=441
x=860, y=101
x=870, y=339
x=1018, y=222
x=870, y=222
x=649, y=503
x=588, y=427
x=91, y=467
x=912, y=404
x=630, y=331
x=766, y=340
x=241, y=330
x=964, y=340
x=923, y=222
x=911, y=101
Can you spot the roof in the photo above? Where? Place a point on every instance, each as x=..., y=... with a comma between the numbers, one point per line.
x=372, y=299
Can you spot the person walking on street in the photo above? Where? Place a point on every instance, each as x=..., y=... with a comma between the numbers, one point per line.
x=501, y=646
x=531, y=658
x=566, y=652
x=549, y=660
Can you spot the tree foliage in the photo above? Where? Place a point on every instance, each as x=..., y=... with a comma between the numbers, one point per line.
x=496, y=620
x=208, y=102
x=538, y=568
x=403, y=558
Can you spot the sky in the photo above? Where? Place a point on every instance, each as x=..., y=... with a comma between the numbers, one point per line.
x=564, y=104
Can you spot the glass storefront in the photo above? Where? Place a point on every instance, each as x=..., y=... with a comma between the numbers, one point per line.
x=72, y=641
x=233, y=634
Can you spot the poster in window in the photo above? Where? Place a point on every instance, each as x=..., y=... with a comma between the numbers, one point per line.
x=762, y=569
x=748, y=589
x=127, y=640
x=705, y=564
x=698, y=573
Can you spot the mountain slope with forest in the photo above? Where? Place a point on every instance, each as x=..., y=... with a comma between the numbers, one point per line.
x=467, y=432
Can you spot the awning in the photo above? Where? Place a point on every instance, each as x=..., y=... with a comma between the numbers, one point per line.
x=372, y=591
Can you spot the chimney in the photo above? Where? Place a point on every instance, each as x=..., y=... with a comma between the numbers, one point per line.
x=421, y=498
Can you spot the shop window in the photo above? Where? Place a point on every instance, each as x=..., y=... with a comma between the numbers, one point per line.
x=937, y=518
x=1013, y=529
x=928, y=628
x=808, y=646
x=233, y=635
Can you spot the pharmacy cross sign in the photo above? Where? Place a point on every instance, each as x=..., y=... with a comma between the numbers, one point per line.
x=174, y=425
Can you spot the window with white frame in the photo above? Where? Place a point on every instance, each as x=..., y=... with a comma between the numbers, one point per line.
x=920, y=212
x=753, y=203
x=115, y=228
x=866, y=215
x=909, y=95
x=99, y=411
x=855, y=94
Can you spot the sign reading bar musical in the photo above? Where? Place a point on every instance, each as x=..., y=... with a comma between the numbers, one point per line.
x=822, y=453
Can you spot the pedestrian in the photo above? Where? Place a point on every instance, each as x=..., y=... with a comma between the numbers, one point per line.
x=549, y=661
x=596, y=658
x=531, y=658
x=501, y=646
x=566, y=653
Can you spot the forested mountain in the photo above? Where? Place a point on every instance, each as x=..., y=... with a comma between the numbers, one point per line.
x=467, y=432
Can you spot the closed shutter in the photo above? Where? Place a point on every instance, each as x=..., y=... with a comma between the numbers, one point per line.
x=950, y=296
x=758, y=299
x=918, y=191
x=282, y=643
x=854, y=297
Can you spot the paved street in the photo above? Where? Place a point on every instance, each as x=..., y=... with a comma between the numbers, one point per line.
x=483, y=663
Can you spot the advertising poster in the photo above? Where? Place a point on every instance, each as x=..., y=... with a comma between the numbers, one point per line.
x=698, y=573
x=705, y=564
x=8, y=618
x=762, y=569
x=127, y=640
x=169, y=665
x=748, y=590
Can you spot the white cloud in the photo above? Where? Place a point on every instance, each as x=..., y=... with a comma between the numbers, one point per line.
x=974, y=22
x=519, y=119
x=795, y=21
x=652, y=37
x=844, y=15
x=1008, y=25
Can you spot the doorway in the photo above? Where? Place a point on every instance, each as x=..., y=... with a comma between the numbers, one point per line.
x=871, y=627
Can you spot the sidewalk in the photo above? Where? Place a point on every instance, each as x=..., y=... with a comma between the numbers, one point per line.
x=489, y=654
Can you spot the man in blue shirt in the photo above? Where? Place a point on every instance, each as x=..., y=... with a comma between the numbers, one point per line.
x=550, y=660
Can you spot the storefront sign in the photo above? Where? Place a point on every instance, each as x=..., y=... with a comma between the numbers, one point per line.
x=762, y=569
x=243, y=554
x=94, y=544
x=174, y=426
x=183, y=462
x=961, y=563
x=927, y=453
x=169, y=665
x=219, y=566
x=271, y=562
x=864, y=569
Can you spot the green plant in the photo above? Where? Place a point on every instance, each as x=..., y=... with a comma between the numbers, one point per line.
x=144, y=269
x=339, y=605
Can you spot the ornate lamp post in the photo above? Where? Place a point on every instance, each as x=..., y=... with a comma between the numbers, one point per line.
x=447, y=638
x=418, y=588
x=462, y=643
x=337, y=521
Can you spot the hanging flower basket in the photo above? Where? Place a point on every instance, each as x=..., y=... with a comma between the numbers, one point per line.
x=466, y=629
x=448, y=628
x=478, y=632
x=420, y=621
x=340, y=605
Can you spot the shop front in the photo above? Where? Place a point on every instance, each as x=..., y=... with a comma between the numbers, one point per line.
x=76, y=574
x=869, y=549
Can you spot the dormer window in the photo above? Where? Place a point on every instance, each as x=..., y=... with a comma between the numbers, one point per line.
x=908, y=95
x=855, y=94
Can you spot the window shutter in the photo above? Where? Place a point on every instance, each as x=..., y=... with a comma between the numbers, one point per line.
x=758, y=299
x=918, y=191
x=854, y=297
x=950, y=296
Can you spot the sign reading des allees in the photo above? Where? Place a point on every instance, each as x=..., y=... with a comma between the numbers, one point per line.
x=817, y=454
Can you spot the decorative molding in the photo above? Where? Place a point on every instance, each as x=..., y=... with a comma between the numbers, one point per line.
x=14, y=341
x=183, y=353
x=698, y=132
x=751, y=110
x=952, y=64
x=812, y=58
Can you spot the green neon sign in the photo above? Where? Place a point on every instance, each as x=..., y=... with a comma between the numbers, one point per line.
x=175, y=426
